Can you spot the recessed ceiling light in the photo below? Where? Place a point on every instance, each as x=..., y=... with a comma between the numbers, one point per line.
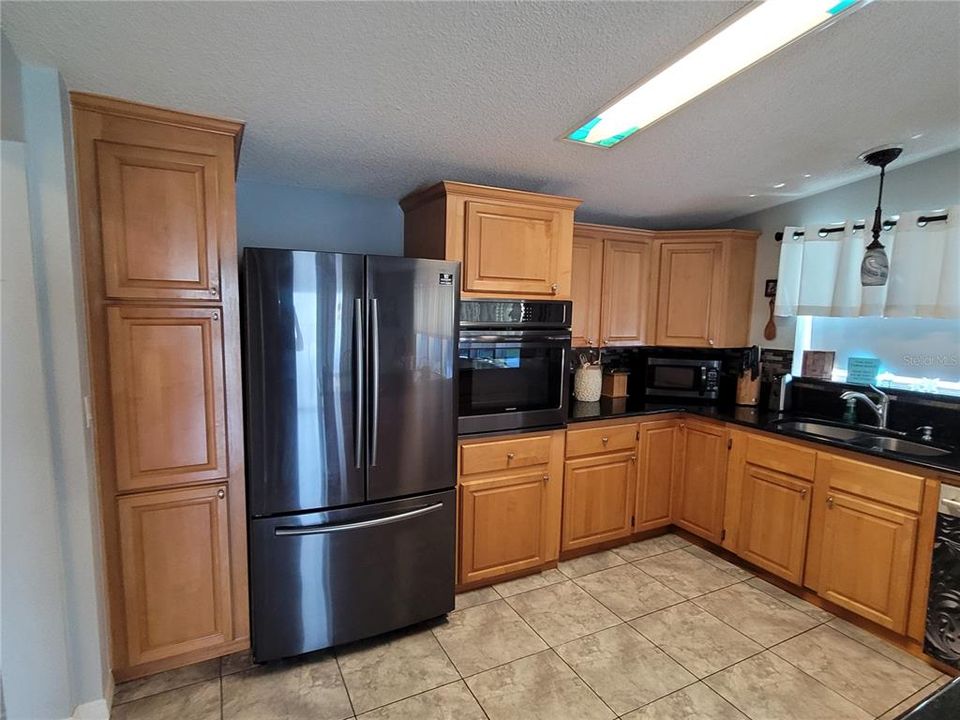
x=917, y=136
x=777, y=186
x=752, y=195
x=806, y=175
x=744, y=40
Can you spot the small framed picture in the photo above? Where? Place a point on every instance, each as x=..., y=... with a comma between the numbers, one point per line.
x=770, y=288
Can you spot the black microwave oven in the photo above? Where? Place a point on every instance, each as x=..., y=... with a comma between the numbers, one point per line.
x=683, y=378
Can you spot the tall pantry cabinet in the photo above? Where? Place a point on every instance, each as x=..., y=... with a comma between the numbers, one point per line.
x=158, y=230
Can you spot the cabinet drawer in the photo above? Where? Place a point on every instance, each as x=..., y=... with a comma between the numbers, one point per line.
x=598, y=440
x=892, y=487
x=481, y=457
x=784, y=457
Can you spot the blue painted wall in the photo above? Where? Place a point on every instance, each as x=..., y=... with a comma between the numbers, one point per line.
x=284, y=216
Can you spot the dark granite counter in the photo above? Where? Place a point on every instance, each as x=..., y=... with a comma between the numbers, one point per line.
x=750, y=417
x=943, y=704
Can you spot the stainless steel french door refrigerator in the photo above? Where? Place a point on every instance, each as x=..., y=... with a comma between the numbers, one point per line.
x=351, y=416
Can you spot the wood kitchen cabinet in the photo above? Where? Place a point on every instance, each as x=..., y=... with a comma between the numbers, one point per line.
x=510, y=494
x=866, y=562
x=585, y=289
x=698, y=488
x=704, y=283
x=598, y=499
x=156, y=202
x=658, y=463
x=511, y=244
x=175, y=544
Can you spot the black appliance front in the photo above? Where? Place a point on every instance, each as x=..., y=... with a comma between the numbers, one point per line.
x=942, y=636
x=326, y=578
x=683, y=378
x=513, y=365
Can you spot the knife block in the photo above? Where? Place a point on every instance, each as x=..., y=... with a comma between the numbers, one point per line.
x=748, y=391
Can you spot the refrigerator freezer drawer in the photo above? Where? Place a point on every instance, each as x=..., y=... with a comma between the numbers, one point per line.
x=327, y=578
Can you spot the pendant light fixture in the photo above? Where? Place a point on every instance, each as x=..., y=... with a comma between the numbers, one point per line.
x=875, y=267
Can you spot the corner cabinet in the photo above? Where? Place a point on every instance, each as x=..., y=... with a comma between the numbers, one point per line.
x=704, y=287
x=511, y=243
x=699, y=487
x=157, y=218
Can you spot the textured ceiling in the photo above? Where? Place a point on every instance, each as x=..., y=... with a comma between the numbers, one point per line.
x=381, y=98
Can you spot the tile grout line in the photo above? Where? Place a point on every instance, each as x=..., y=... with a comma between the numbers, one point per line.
x=462, y=678
x=343, y=680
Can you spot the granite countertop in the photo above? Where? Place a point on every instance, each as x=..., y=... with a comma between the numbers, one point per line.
x=751, y=417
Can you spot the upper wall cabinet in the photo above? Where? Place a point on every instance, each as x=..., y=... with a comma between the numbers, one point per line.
x=160, y=222
x=512, y=244
x=611, y=286
x=704, y=288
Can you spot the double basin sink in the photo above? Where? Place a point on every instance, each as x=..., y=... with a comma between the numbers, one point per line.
x=860, y=437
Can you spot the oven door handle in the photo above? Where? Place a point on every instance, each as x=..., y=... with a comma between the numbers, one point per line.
x=488, y=338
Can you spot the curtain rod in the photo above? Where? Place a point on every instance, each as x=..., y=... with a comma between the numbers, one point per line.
x=887, y=225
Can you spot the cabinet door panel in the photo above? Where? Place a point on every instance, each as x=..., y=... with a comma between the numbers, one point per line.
x=159, y=213
x=598, y=499
x=511, y=249
x=774, y=519
x=585, y=290
x=626, y=288
x=699, y=489
x=175, y=560
x=689, y=296
x=502, y=525
x=658, y=462
x=166, y=373
x=867, y=559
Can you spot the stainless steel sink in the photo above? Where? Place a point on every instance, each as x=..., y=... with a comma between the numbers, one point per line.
x=897, y=445
x=863, y=438
x=809, y=427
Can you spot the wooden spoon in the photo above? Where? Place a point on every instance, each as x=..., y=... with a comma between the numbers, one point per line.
x=770, y=329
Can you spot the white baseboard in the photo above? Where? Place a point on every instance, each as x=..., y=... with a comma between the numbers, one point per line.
x=94, y=710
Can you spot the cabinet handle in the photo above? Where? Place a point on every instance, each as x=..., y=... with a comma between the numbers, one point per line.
x=553, y=288
x=213, y=290
x=509, y=456
x=710, y=341
x=221, y=494
x=215, y=316
x=803, y=493
x=604, y=440
x=545, y=477
x=683, y=426
x=830, y=502
x=633, y=458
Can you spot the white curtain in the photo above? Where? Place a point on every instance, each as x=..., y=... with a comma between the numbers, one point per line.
x=820, y=274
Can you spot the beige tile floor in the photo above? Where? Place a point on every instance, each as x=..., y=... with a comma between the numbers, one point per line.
x=655, y=630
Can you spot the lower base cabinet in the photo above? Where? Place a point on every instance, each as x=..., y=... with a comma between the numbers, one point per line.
x=510, y=494
x=866, y=563
x=175, y=560
x=699, y=486
x=598, y=499
x=658, y=457
x=774, y=519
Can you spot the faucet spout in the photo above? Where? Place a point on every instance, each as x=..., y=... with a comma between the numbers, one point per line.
x=879, y=408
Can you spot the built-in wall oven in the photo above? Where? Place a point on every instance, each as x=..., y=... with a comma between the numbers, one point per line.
x=514, y=360
x=683, y=378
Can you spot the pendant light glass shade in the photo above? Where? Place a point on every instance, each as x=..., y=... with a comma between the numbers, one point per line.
x=875, y=267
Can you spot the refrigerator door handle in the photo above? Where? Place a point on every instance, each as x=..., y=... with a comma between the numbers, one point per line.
x=360, y=381
x=340, y=527
x=374, y=378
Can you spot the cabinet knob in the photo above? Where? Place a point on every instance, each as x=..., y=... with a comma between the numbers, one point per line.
x=633, y=458
x=710, y=341
x=213, y=290
x=803, y=493
x=830, y=502
x=604, y=440
x=215, y=315
x=553, y=288
x=221, y=494
x=510, y=456
x=683, y=426
x=545, y=477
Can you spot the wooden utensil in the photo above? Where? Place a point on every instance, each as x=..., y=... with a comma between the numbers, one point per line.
x=770, y=329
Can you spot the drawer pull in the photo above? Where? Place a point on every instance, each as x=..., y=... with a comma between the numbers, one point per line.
x=510, y=456
x=604, y=440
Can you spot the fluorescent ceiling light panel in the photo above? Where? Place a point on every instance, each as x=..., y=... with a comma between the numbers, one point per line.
x=749, y=38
